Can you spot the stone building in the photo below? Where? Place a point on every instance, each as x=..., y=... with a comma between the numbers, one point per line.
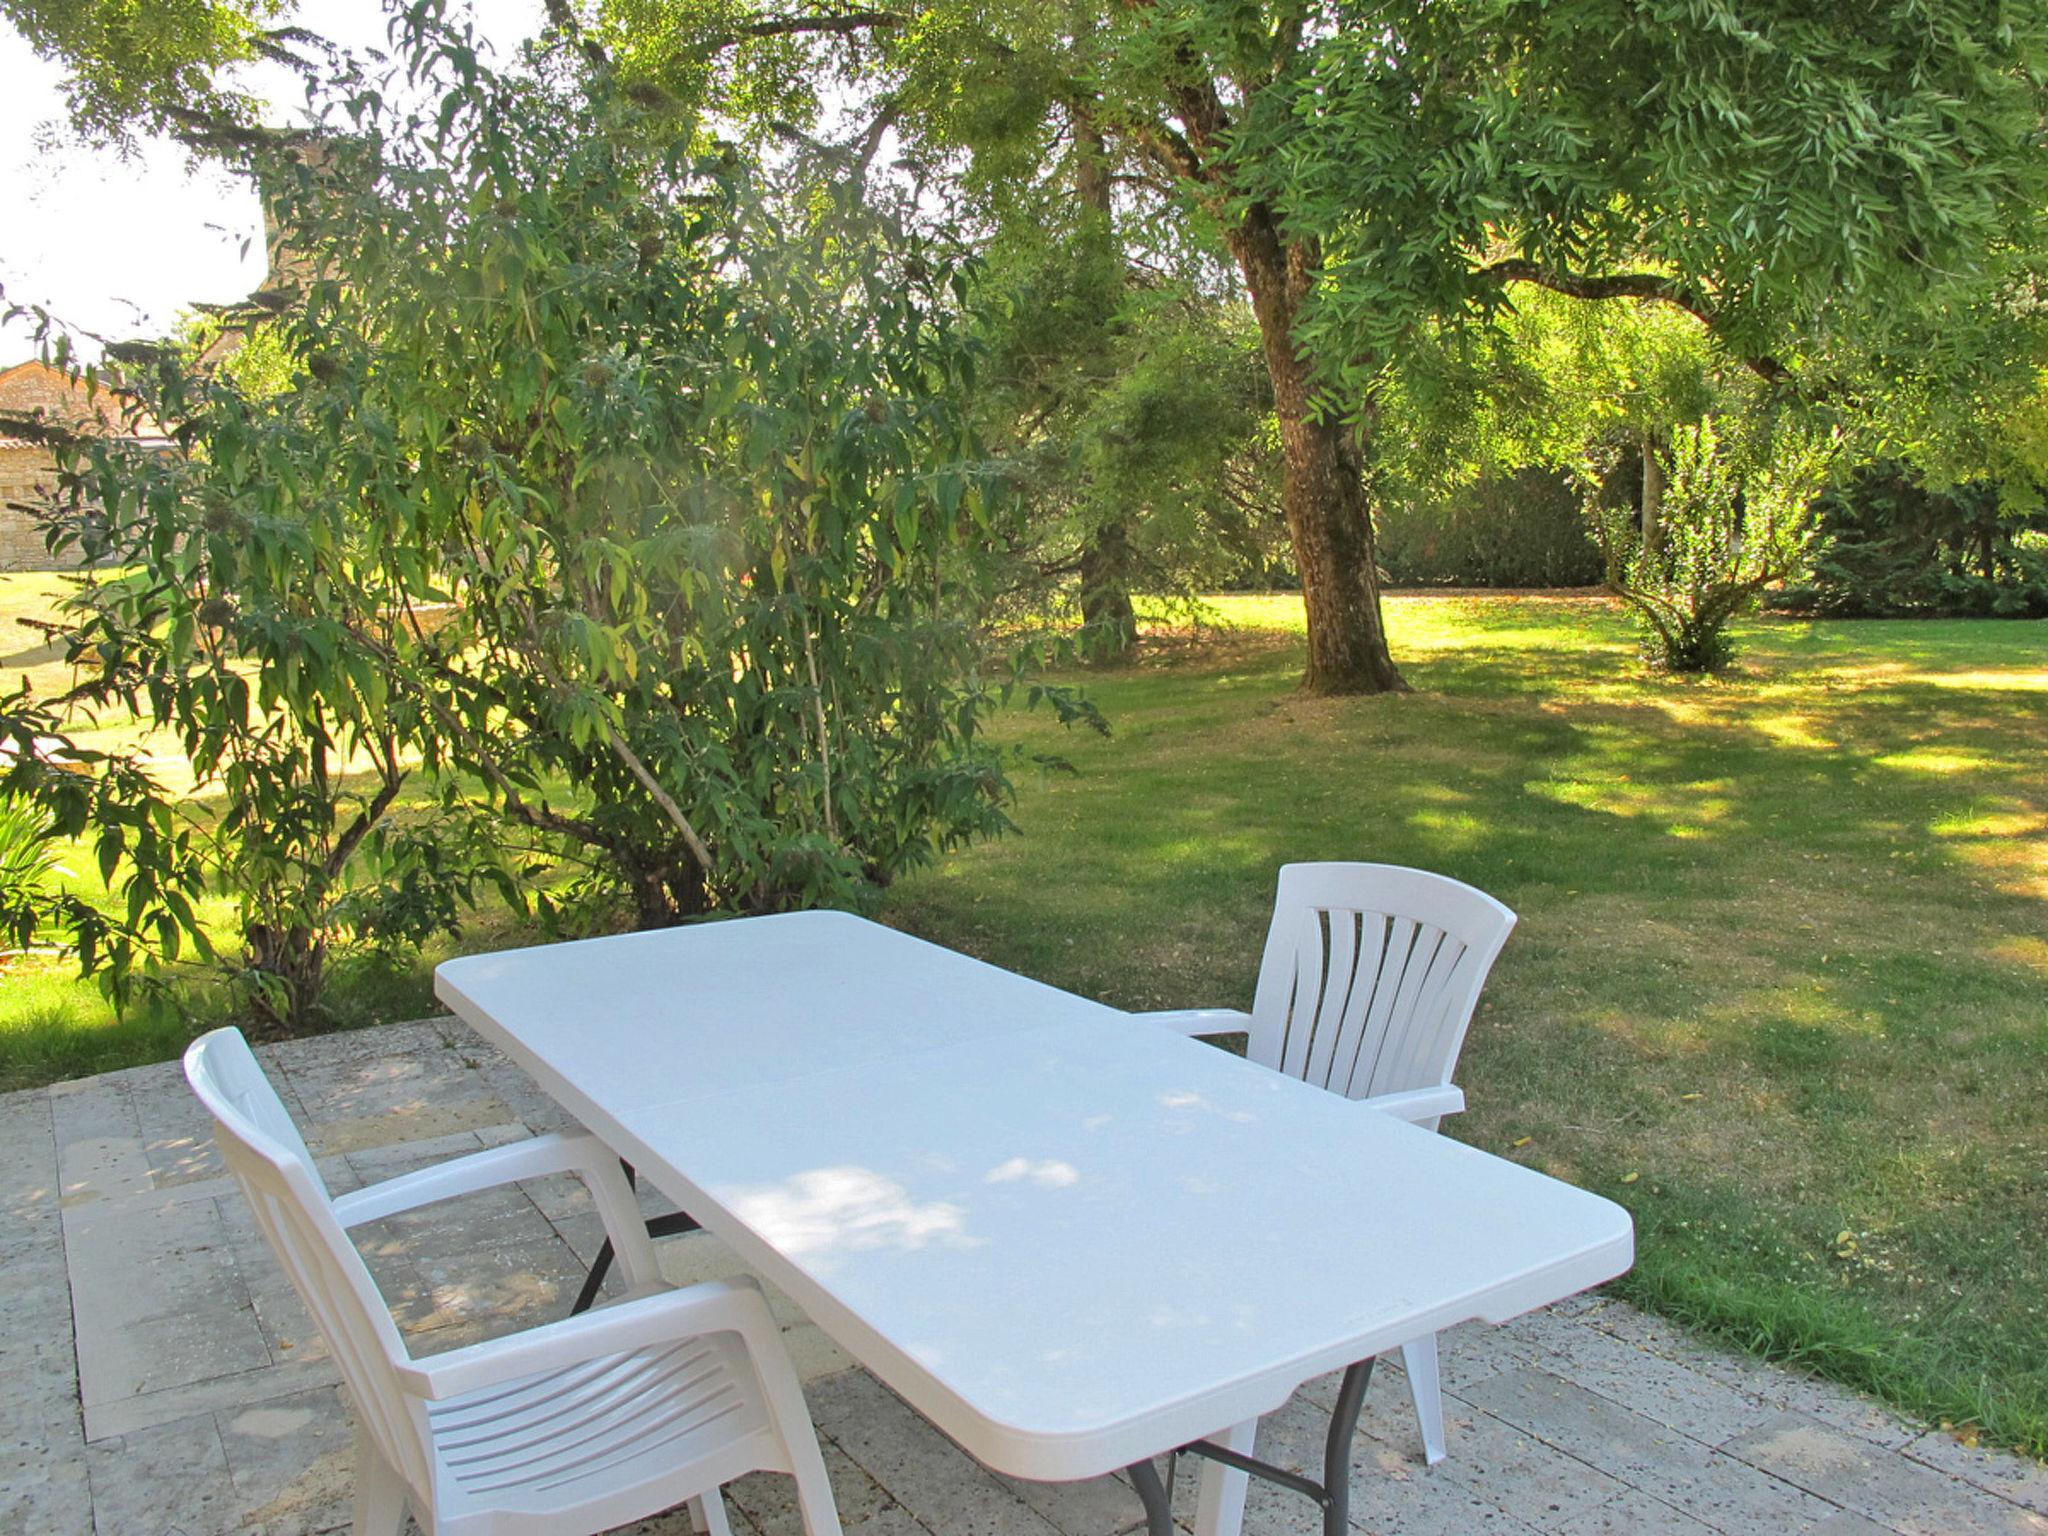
x=35, y=391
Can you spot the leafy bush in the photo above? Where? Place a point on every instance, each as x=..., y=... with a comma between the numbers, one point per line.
x=1516, y=529
x=28, y=869
x=616, y=502
x=62, y=790
x=1889, y=546
x=1737, y=515
x=249, y=624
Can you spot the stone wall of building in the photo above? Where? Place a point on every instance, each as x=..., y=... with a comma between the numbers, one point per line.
x=33, y=388
x=26, y=474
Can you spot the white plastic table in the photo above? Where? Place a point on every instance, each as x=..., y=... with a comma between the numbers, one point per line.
x=1072, y=1240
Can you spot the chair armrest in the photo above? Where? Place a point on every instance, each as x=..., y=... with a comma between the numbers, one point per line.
x=714, y=1306
x=1200, y=1021
x=577, y=1152
x=1419, y=1104
x=529, y=1159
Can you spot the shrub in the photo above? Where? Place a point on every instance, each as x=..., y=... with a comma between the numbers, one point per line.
x=601, y=500
x=28, y=869
x=1889, y=546
x=245, y=619
x=54, y=789
x=1736, y=518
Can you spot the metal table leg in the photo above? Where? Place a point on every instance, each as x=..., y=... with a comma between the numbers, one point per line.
x=1153, y=1495
x=1333, y=1493
x=1337, y=1449
x=669, y=1225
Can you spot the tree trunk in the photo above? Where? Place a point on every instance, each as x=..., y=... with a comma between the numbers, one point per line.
x=1329, y=517
x=293, y=961
x=667, y=889
x=1106, y=608
x=1653, y=500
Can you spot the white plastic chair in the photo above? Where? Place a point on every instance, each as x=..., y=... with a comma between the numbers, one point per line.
x=1369, y=980
x=565, y=1430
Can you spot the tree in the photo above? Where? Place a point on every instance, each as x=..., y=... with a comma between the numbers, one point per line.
x=591, y=485
x=1547, y=383
x=154, y=65
x=1124, y=393
x=1373, y=169
x=1122, y=390
x=1889, y=545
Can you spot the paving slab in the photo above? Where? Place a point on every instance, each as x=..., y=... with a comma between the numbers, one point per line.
x=2010, y=1477
x=865, y=1507
x=1911, y=1498
x=1849, y=1523
x=1846, y=1410
x=1635, y=1513
x=167, y=1480
x=932, y=1478
x=44, y=1485
x=1670, y=1391
x=291, y=1461
x=1392, y=1493
x=1723, y=1492
x=158, y=1376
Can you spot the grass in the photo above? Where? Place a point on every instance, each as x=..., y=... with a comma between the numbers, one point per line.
x=1778, y=987
x=52, y=1027
x=1779, y=983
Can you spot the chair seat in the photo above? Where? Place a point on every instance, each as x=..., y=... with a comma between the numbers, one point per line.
x=591, y=1431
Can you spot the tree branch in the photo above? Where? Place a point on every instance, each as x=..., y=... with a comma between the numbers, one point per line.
x=1633, y=285
x=563, y=18
x=870, y=143
x=368, y=817
x=795, y=26
x=1201, y=109
x=1287, y=38
x=1170, y=152
x=662, y=798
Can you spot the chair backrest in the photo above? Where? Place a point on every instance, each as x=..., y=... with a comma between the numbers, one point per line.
x=268, y=1159
x=1370, y=976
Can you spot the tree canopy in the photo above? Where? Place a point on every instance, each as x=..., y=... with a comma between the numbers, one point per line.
x=153, y=65
x=1776, y=172
x=1807, y=184
x=621, y=497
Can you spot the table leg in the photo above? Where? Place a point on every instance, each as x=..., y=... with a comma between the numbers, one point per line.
x=1337, y=1449
x=594, y=1281
x=1220, y=1510
x=1153, y=1495
x=1223, y=1497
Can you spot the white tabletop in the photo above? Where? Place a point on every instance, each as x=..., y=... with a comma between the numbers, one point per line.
x=1069, y=1238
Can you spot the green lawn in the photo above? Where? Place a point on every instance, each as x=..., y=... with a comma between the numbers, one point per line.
x=1781, y=983
x=1782, y=971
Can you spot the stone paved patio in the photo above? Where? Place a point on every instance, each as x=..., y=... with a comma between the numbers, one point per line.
x=157, y=1376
